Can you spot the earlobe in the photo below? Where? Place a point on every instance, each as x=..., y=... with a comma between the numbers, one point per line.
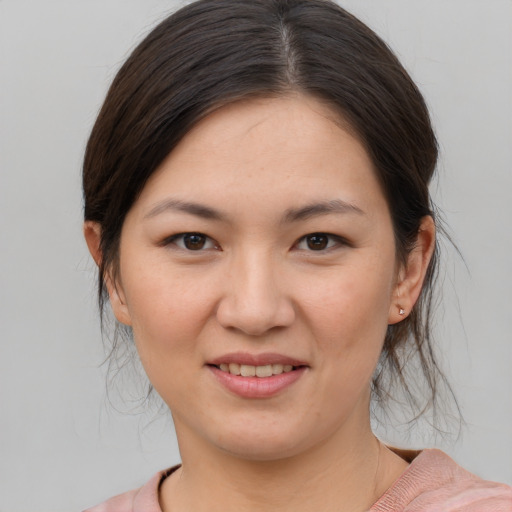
x=412, y=275
x=117, y=302
x=92, y=234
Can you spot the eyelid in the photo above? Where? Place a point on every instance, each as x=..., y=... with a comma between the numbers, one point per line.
x=178, y=241
x=174, y=239
x=339, y=241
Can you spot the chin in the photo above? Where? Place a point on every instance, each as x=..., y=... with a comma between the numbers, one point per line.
x=263, y=444
x=263, y=451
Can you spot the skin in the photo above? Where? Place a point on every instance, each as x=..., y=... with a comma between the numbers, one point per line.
x=256, y=286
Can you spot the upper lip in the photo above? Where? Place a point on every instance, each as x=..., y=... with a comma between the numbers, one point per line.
x=256, y=359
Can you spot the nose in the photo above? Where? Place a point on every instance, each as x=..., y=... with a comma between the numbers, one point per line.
x=255, y=300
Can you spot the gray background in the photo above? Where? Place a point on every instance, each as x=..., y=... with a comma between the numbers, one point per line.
x=61, y=447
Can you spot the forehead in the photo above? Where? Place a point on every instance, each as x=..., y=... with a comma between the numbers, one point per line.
x=276, y=126
x=289, y=149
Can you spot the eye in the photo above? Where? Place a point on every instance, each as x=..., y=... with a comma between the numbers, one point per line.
x=192, y=241
x=318, y=242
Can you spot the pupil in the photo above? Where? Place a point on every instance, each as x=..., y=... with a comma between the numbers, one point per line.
x=317, y=242
x=194, y=242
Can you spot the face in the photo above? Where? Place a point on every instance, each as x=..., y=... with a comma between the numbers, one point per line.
x=262, y=245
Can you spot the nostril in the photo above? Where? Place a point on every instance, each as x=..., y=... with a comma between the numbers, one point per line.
x=254, y=318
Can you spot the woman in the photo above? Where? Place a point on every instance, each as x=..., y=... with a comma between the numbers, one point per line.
x=256, y=199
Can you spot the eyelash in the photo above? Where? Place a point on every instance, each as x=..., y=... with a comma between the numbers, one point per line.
x=332, y=241
x=180, y=240
x=324, y=242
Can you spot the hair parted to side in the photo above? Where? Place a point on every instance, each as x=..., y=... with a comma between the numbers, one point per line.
x=214, y=52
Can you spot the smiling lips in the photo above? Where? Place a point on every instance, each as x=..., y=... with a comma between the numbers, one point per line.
x=247, y=370
x=261, y=376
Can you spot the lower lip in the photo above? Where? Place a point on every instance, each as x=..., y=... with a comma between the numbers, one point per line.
x=257, y=387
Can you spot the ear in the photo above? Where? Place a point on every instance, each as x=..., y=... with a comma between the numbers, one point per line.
x=411, y=275
x=92, y=234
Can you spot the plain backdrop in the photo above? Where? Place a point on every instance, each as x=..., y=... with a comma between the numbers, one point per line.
x=62, y=447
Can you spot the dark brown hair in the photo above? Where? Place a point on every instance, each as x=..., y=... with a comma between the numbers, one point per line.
x=214, y=52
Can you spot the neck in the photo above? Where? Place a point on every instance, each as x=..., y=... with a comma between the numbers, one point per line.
x=344, y=473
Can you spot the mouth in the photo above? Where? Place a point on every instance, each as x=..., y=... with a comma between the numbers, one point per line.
x=262, y=371
x=257, y=380
x=257, y=375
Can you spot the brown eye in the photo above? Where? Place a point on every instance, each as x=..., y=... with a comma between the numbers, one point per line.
x=194, y=241
x=317, y=242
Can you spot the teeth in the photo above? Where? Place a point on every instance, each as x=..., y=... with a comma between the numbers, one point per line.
x=247, y=370
x=264, y=371
x=234, y=368
x=277, y=369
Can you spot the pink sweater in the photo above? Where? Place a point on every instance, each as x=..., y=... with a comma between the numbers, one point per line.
x=432, y=483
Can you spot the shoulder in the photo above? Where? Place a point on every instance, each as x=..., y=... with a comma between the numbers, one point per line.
x=121, y=503
x=144, y=499
x=434, y=482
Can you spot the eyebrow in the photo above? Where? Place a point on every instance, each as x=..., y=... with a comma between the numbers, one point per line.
x=199, y=210
x=336, y=206
x=323, y=208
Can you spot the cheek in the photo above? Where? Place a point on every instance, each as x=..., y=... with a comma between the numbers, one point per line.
x=349, y=318
x=355, y=298
x=167, y=312
x=167, y=319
